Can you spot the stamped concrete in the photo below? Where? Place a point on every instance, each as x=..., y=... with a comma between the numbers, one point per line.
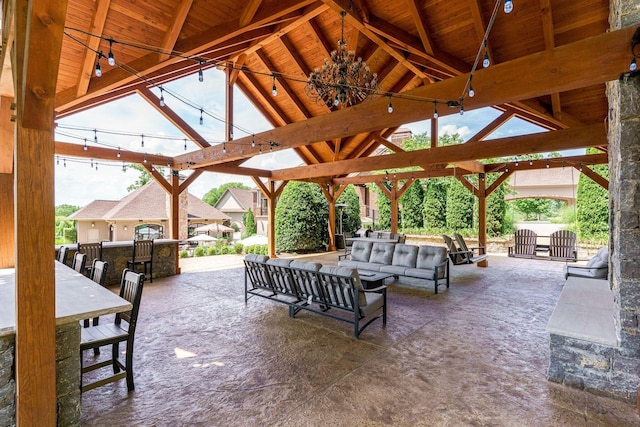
x=474, y=354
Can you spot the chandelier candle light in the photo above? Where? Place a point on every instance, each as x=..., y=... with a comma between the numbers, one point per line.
x=343, y=80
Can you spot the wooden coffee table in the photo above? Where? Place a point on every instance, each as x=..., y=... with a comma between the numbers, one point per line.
x=373, y=279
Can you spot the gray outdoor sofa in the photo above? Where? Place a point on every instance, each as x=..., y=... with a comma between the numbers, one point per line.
x=336, y=292
x=420, y=262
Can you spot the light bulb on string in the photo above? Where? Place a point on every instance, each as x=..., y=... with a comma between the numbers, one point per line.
x=389, y=107
x=200, y=74
x=547, y=165
x=110, y=59
x=185, y=144
x=85, y=145
x=260, y=148
x=224, y=147
x=508, y=6
x=145, y=158
x=91, y=163
x=96, y=166
x=95, y=136
x=530, y=162
x=435, y=110
x=124, y=167
x=472, y=92
x=461, y=109
x=201, y=118
x=64, y=162
x=274, y=89
x=633, y=65
x=162, y=104
x=253, y=142
x=142, y=141
x=98, y=67
x=58, y=160
x=485, y=61
x=118, y=152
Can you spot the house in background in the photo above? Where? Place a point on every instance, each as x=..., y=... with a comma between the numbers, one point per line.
x=236, y=202
x=142, y=214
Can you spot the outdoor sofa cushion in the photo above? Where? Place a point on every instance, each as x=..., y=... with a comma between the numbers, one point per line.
x=428, y=258
x=382, y=253
x=404, y=256
x=347, y=272
x=597, y=267
x=361, y=251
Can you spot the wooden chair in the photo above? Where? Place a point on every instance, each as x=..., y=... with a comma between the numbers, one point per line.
x=470, y=253
x=142, y=255
x=562, y=246
x=524, y=244
x=456, y=255
x=93, y=251
x=113, y=334
x=98, y=275
x=62, y=255
x=79, y=261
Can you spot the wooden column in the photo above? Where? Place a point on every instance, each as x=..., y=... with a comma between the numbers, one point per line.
x=7, y=226
x=35, y=58
x=332, y=224
x=35, y=368
x=482, y=216
x=174, y=218
x=394, y=206
x=228, y=124
x=271, y=219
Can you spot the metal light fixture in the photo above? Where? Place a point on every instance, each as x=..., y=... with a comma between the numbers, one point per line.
x=342, y=80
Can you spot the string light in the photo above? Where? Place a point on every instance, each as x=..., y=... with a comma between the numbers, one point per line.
x=85, y=145
x=64, y=162
x=200, y=74
x=508, y=6
x=58, y=160
x=253, y=142
x=580, y=167
x=142, y=141
x=95, y=136
x=435, y=110
x=91, y=163
x=485, y=61
x=201, y=118
x=185, y=144
x=547, y=165
x=461, y=109
x=162, y=104
x=389, y=107
x=530, y=162
x=98, y=68
x=224, y=148
x=110, y=59
x=274, y=89
x=118, y=151
x=145, y=158
x=517, y=163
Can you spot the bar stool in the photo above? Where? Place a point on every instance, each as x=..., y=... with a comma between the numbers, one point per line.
x=142, y=255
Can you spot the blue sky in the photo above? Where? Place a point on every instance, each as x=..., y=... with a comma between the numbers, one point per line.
x=79, y=183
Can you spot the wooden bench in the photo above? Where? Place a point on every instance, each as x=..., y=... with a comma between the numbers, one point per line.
x=336, y=292
x=561, y=247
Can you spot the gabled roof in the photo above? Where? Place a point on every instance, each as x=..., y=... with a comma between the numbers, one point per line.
x=147, y=202
x=244, y=198
x=94, y=210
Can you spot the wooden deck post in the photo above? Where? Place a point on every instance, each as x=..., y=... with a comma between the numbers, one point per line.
x=482, y=217
x=7, y=226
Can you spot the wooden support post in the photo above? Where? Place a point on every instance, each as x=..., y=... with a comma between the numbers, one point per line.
x=394, y=206
x=271, y=219
x=174, y=218
x=228, y=124
x=7, y=226
x=482, y=216
x=35, y=365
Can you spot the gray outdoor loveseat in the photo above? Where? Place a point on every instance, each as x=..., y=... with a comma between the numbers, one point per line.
x=419, y=262
x=336, y=292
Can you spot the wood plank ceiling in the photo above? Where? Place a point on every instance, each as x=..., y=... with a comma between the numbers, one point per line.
x=410, y=44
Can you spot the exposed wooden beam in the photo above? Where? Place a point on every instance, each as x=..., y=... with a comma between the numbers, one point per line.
x=587, y=136
x=173, y=117
x=319, y=35
x=489, y=128
x=421, y=26
x=266, y=100
x=189, y=180
x=237, y=170
x=549, y=43
x=480, y=25
x=595, y=177
x=92, y=42
x=193, y=45
x=542, y=73
x=7, y=136
x=249, y=12
x=77, y=150
x=171, y=35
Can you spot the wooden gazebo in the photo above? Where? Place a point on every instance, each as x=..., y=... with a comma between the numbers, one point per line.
x=549, y=64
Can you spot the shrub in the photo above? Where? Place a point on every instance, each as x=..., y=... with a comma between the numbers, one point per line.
x=224, y=250
x=238, y=247
x=301, y=217
x=199, y=251
x=263, y=249
x=184, y=254
x=212, y=250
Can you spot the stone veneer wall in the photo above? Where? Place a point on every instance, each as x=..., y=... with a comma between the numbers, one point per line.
x=116, y=254
x=606, y=370
x=67, y=377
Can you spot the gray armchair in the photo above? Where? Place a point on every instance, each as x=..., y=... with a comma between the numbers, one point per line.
x=596, y=268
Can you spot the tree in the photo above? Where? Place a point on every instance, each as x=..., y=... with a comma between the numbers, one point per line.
x=65, y=210
x=302, y=213
x=250, y=224
x=459, y=206
x=384, y=208
x=412, y=201
x=496, y=209
x=435, y=203
x=532, y=208
x=143, y=178
x=593, y=205
x=351, y=213
x=212, y=196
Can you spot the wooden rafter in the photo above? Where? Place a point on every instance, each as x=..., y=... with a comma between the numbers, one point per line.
x=421, y=26
x=170, y=37
x=249, y=12
x=93, y=42
x=265, y=99
x=173, y=118
x=549, y=43
x=77, y=150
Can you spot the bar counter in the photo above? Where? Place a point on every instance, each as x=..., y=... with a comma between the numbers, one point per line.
x=77, y=298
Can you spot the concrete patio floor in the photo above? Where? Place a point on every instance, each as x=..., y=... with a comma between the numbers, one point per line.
x=474, y=354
